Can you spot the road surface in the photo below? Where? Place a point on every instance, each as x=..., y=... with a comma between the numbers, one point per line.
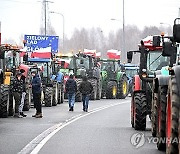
x=104, y=129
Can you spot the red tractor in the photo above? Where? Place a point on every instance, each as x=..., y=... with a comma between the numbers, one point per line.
x=151, y=61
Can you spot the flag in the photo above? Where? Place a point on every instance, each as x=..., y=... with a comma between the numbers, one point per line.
x=98, y=54
x=42, y=53
x=90, y=52
x=113, y=54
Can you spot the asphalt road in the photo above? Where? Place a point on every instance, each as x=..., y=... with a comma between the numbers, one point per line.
x=104, y=129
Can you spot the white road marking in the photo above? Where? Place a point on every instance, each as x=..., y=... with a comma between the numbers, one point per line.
x=37, y=143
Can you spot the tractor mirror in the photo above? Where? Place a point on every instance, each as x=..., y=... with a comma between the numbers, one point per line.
x=25, y=57
x=156, y=41
x=98, y=59
x=129, y=56
x=62, y=64
x=167, y=49
x=176, y=30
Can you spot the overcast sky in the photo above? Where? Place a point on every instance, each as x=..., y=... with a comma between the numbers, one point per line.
x=19, y=17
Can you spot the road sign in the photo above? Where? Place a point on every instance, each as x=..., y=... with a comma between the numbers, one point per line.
x=36, y=42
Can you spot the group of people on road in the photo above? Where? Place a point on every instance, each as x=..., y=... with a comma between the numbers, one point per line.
x=19, y=93
x=85, y=88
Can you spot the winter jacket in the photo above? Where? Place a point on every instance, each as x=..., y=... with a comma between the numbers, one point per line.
x=85, y=87
x=17, y=85
x=24, y=82
x=71, y=86
x=36, y=84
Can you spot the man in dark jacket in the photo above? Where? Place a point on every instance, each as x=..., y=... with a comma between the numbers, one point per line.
x=17, y=88
x=85, y=88
x=71, y=88
x=23, y=93
x=36, y=91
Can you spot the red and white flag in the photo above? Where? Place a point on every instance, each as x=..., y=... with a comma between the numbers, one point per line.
x=113, y=54
x=90, y=52
x=42, y=53
x=98, y=54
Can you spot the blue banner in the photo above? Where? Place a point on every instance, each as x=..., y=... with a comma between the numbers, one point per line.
x=36, y=42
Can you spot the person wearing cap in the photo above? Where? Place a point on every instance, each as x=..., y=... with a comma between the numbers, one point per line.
x=36, y=91
x=23, y=93
x=86, y=89
x=17, y=88
x=71, y=88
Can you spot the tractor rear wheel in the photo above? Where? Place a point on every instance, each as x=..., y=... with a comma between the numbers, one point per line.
x=94, y=92
x=122, y=88
x=111, y=91
x=140, y=107
x=161, y=118
x=155, y=100
x=132, y=111
x=4, y=101
x=48, y=96
x=172, y=117
x=99, y=89
x=78, y=97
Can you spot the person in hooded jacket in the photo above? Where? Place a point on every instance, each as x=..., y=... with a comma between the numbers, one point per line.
x=71, y=88
x=86, y=89
x=36, y=91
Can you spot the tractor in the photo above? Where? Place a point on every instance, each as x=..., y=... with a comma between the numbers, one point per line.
x=114, y=81
x=51, y=89
x=151, y=62
x=131, y=70
x=86, y=65
x=9, y=63
x=166, y=103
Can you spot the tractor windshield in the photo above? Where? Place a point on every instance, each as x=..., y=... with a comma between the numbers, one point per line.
x=107, y=66
x=12, y=59
x=155, y=60
x=82, y=62
x=131, y=72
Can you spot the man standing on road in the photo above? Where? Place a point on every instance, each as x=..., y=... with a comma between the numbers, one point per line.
x=85, y=88
x=71, y=88
x=17, y=88
x=23, y=78
x=36, y=90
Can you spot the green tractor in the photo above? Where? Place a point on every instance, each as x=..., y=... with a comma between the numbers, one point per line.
x=114, y=81
x=85, y=65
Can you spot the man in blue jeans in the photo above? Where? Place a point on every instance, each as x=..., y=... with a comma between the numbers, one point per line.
x=71, y=88
x=86, y=89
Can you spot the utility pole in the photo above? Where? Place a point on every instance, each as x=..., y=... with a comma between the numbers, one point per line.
x=124, y=43
x=45, y=4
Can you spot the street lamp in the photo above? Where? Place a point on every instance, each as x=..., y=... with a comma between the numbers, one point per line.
x=63, y=25
x=123, y=44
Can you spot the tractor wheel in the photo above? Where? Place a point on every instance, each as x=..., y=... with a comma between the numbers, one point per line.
x=172, y=117
x=154, y=114
x=78, y=97
x=11, y=110
x=132, y=111
x=48, y=97
x=111, y=91
x=161, y=129
x=99, y=89
x=122, y=88
x=4, y=101
x=27, y=104
x=140, y=107
x=55, y=94
x=59, y=93
x=94, y=92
